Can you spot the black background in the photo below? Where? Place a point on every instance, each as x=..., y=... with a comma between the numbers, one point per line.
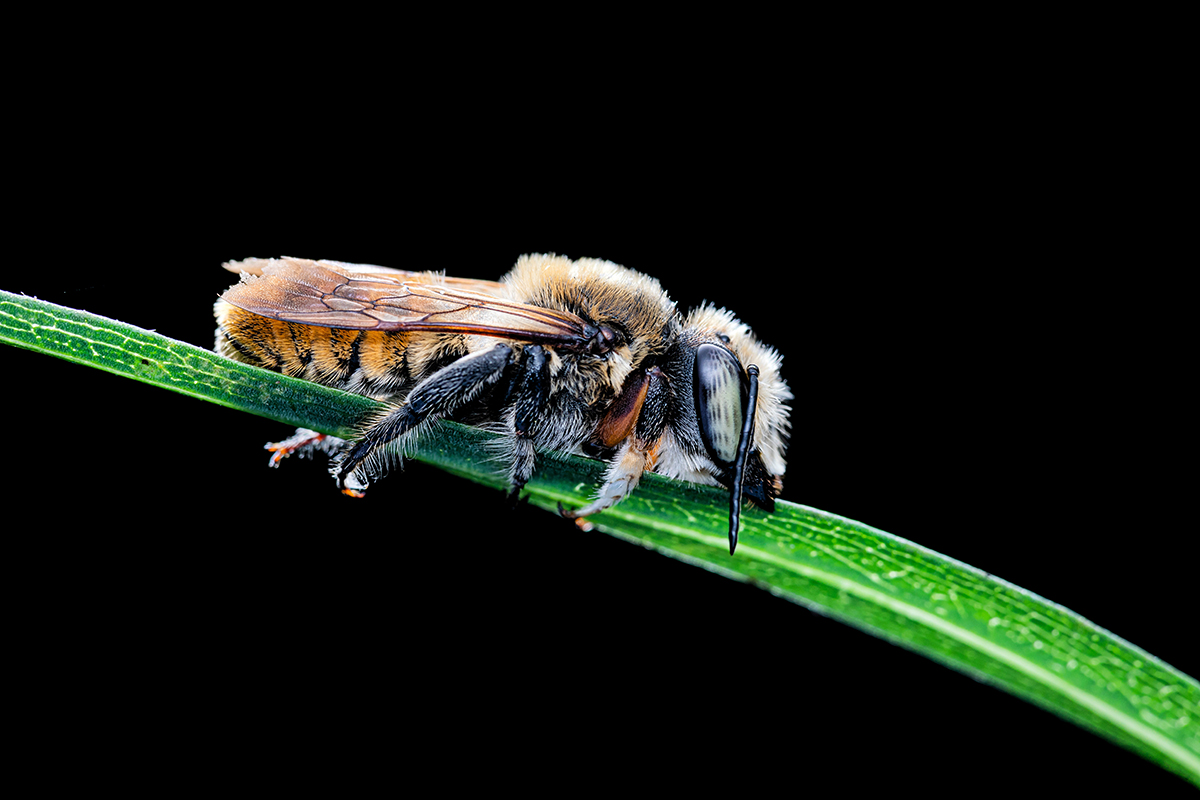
x=973, y=343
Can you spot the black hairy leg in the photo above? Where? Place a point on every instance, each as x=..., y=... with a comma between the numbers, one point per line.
x=530, y=392
x=436, y=397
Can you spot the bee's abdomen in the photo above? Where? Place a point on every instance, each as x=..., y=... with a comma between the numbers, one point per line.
x=366, y=362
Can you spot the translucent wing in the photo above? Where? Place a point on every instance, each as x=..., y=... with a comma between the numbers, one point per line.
x=332, y=294
x=257, y=266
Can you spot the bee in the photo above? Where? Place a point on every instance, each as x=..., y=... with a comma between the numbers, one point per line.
x=584, y=357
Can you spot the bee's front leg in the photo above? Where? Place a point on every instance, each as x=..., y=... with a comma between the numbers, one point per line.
x=638, y=451
x=623, y=476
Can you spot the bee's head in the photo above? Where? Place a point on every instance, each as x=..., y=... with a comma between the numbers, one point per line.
x=740, y=401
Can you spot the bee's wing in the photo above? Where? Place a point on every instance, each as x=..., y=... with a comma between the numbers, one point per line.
x=258, y=266
x=330, y=294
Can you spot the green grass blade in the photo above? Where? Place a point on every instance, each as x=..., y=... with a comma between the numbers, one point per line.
x=148, y=357
x=885, y=585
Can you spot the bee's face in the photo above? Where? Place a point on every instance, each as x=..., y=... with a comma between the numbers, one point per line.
x=711, y=368
x=724, y=334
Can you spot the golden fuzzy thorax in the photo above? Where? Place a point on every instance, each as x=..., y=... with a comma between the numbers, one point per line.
x=601, y=291
x=604, y=293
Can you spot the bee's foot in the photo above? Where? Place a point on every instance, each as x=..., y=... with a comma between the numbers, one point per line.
x=349, y=482
x=303, y=443
x=577, y=517
x=513, y=497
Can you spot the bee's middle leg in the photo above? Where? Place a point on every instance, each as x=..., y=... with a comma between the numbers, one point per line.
x=531, y=393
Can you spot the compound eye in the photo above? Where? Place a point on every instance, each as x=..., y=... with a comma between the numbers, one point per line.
x=720, y=402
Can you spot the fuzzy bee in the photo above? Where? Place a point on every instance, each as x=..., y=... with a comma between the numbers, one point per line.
x=583, y=357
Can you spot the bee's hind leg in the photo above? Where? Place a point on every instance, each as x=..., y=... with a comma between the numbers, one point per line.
x=436, y=397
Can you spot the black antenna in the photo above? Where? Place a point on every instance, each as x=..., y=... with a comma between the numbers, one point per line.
x=739, y=467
